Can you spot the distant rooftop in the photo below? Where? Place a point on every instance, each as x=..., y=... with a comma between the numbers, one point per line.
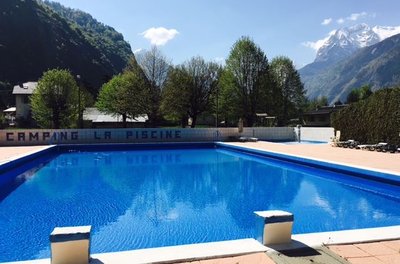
x=326, y=109
x=26, y=88
x=10, y=110
x=94, y=115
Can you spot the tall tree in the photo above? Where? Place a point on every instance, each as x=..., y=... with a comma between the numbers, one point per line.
x=126, y=95
x=176, y=96
x=358, y=94
x=155, y=66
x=288, y=82
x=54, y=102
x=246, y=80
x=353, y=96
x=189, y=88
x=316, y=103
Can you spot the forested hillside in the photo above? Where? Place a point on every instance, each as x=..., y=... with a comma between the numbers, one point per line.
x=105, y=38
x=35, y=38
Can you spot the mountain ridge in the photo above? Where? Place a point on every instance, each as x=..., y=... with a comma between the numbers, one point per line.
x=345, y=41
x=324, y=76
x=377, y=65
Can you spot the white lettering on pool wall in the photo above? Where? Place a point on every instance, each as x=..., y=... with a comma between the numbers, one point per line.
x=128, y=135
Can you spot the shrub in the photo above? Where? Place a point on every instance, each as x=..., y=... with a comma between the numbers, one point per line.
x=372, y=120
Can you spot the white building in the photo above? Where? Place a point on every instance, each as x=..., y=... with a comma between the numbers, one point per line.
x=22, y=94
x=97, y=119
x=9, y=115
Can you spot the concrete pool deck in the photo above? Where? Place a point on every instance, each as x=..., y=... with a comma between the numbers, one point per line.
x=350, y=252
x=12, y=153
x=373, y=160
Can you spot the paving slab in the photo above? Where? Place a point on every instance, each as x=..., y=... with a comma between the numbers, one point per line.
x=320, y=255
x=384, y=252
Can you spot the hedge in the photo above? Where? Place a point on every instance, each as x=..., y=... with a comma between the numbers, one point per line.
x=375, y=119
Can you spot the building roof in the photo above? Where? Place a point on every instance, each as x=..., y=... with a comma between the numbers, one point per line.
x=265, y=115
x=326, y=110
x=10, y=110
x=26, y=88
x=94, y=115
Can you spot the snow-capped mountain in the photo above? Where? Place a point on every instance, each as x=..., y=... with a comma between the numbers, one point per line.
x=352, y=57
x=345, y=41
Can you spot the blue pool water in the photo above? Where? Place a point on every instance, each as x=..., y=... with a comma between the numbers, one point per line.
x=159, y=197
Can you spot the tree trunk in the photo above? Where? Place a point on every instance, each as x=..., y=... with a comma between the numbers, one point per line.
x=249, y=120
x=124, y=120
x=56, y=120
x=194, y=119
x=184, y=121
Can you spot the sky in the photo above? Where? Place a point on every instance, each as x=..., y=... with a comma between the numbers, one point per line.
x=209, y=28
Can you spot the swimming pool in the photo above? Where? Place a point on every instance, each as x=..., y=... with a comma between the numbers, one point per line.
x=160, y=195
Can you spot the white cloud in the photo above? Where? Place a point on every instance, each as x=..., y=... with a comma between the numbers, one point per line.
x=159, y=36
x=356, y=16
x=316, y=45
x=340, y=20
x=326, y=21
x=353, y=17
x=137, y=50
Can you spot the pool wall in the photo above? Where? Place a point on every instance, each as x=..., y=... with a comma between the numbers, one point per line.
x=140, y=135
x=321, y=134
x=365, y=173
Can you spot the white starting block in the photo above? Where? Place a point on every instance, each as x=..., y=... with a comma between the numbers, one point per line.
x=278, y=227
x=70, y=245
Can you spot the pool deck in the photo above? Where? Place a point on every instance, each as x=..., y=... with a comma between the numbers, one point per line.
x=372, y=160
x=11, y=153
x=377, y=250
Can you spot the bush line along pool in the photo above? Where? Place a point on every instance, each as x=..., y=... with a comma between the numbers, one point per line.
x=151, y=195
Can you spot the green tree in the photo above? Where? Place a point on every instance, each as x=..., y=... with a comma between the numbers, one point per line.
x=358, y=94
x=245, y=84
x=292, y=100
x=6, y=96
x=316, y=103
x=126, y=95
x=353, y=96
x=54, y=102
x=189, y=88
x=155, y=66
x=176, y=96
x=372, y=120
x=365, y=92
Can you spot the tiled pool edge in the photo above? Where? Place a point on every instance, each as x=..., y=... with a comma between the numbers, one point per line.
x=173, y=254
x=20, y=159
x=232, y=248
x=389, y=177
